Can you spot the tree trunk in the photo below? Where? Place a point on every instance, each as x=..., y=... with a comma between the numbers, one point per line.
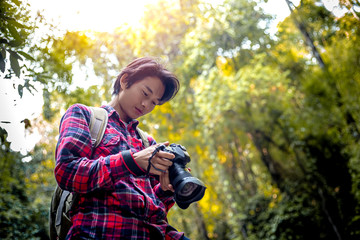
x=267, y=159
x=307, y=36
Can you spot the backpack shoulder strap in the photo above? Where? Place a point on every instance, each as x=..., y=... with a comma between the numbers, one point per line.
x=62, y=200
x=98, y=122
x=144, y=137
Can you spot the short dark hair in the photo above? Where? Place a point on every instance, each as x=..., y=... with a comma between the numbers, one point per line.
x=149, y=67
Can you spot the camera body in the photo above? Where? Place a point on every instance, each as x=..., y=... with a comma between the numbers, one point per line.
x=188, y=189
x=181, y=155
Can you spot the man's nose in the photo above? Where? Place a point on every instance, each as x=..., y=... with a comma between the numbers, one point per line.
x=145, y=104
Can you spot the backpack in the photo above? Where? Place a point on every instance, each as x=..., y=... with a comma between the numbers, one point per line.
x=62, y=200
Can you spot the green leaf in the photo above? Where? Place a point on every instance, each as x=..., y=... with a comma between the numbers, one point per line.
x=15, y=65
x=29, y=86
x=15, y=43
x=21, y=90
x=3, y=52
x=27, y=56
x=2, y=63
x=18, y=25
x=15, y=54
x=17, y=3
x=14, y=33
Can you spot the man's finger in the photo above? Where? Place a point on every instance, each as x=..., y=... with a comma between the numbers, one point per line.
x=158, y=168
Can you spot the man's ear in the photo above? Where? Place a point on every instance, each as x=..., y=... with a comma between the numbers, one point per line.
x=123, y=81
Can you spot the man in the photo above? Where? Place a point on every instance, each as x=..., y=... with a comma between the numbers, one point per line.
x=120, y=196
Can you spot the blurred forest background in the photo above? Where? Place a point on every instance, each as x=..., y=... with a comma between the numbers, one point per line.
x=271, y=119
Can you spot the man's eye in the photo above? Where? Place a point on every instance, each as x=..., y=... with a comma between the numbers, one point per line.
x=154, y=103
x=145, y=94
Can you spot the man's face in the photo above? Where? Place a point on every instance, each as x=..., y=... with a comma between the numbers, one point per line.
x=140, y=98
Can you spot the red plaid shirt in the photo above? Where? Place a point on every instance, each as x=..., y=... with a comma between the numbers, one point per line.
x=116, y=199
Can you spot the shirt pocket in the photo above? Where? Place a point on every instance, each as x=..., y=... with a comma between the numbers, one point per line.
x=110, y=140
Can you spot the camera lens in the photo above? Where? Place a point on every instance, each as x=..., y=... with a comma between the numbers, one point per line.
x=187, y=189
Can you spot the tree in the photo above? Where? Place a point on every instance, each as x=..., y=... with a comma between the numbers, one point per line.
x=15, y=30
x=18, y=217
x=272, y=134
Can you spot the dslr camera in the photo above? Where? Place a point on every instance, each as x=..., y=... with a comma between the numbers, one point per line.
x=188, y=189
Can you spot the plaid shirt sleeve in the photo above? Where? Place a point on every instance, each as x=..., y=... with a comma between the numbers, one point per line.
x=166, y=197
x=75, y=171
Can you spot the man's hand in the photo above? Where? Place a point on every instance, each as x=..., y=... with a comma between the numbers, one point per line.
x=165, y=182
x=160, y=164
x=160, y=161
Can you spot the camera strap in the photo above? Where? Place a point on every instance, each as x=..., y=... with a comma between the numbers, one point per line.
x=150, y=163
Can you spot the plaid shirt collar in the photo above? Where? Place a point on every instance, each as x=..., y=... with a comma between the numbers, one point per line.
x=114, y=114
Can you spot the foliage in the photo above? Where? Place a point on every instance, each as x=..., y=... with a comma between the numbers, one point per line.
x=19, y=219
x=15, y=30
x=274, y=135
